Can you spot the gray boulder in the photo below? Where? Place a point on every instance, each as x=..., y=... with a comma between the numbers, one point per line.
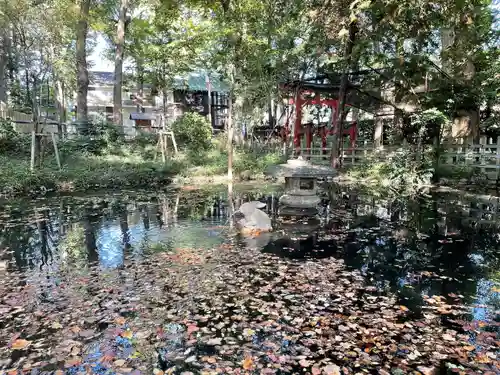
x=250, y=217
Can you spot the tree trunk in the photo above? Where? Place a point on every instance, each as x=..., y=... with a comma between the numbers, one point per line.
x=140, y=82
x=36, y=125
x=339, y=116
x=61, y=108
x=398, y=93
x=119, y=53
x=27, y=100
x=82, y=80
x=4, y=60
x=230, y=132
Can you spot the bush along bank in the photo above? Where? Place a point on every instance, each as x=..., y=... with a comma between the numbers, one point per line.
x=16, y=178
x=106, y=160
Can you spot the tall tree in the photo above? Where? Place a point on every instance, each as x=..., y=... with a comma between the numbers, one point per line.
x=82, y=81
x=119, y=56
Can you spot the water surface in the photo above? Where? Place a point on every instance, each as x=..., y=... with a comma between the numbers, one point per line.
x=168, y=267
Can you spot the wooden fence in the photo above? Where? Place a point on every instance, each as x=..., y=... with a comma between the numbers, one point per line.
x=15, y=116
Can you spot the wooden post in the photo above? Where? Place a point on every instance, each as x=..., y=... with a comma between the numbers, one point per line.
x=174, y=143
x=466, y=150
x=209, y=101
x=497, y=161
x=482, y=142
x=56, y=150
x=379, y=131
x=33, y=146
x=163, y=148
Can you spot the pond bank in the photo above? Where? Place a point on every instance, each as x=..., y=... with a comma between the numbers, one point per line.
x=125, y=168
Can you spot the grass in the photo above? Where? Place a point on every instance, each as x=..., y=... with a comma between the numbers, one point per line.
x=117, y=166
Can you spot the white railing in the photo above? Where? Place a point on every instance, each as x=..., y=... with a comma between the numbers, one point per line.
x=457, y=153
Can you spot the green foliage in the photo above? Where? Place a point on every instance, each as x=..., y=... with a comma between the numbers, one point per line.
x=429, y=124
x=12, y=141
x=109, y=132
x=214, y=162
x=398, y=171
x=194, y=131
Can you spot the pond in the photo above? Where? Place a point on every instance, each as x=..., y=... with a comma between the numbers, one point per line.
x=160, y=282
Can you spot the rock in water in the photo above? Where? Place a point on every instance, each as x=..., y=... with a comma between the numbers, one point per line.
x=250, y=218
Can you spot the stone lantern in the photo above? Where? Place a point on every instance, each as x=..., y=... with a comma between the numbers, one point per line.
x=300, y=198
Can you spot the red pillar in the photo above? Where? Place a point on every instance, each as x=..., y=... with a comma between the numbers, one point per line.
x=309, y=137
x=298, y=123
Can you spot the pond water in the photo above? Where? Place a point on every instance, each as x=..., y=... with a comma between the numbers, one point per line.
x=160, y=282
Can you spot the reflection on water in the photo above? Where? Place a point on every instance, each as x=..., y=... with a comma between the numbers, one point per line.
x=437, y=245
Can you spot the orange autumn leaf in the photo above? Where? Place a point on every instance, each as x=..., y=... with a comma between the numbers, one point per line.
x=403, y=308
x=73, y=362
x=20, y=344
x=120, y=320
x=248, y=363
x=127, y=334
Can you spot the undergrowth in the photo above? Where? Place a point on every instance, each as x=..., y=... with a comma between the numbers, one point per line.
x=106, y=160
x=399, y=171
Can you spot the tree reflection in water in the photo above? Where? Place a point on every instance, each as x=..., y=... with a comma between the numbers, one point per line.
x=440, y=244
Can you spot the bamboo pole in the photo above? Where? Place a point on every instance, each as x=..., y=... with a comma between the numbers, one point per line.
x=33, y=146
x=56, y=150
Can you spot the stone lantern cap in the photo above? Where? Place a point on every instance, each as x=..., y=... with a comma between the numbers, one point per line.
x=300, y=168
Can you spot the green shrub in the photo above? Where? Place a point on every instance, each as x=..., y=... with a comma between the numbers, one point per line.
x=107, y=132
x=399, y=170
x=194, y=131
x=12, y=141
x=82, y=144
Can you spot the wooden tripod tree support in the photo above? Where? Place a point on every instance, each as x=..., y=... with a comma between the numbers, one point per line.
x=33, y=148
x=163, y=144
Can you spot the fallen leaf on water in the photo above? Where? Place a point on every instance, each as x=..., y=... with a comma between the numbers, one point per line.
x=20, y=344
x=73, y=362
x=331, y=370
x=108, y=356
x=125, y=370
x=56, y=325
x=120, y=320
x=247, y=363
x=248, y=332
x=75, y=350
x=304, y=363
x=127, y=334
x=192, y=328
x=403, y=308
